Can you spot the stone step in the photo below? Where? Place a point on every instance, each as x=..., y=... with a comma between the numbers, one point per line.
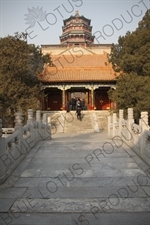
x=86, y=205
x=92, y=121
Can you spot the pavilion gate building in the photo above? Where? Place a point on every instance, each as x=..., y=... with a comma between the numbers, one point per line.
x=79, y=68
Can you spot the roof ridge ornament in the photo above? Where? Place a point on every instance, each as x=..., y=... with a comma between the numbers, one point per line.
x=77, y=13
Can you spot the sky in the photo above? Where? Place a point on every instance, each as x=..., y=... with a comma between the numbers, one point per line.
x=43, y=20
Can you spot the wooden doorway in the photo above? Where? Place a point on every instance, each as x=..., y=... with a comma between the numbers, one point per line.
x=102, y=101
x=54, y=99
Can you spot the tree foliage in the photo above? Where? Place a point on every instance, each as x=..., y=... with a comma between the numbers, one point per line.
x=132, y=53
x=132, y=91
x=131, y=57
x=20, y=63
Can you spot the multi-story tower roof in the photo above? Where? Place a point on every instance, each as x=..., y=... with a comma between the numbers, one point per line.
x=77, y=31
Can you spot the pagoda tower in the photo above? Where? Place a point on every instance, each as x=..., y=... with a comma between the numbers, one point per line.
x=77, y=31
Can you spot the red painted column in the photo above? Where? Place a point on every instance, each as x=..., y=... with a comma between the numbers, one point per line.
x=63, y=99
x=92, y=98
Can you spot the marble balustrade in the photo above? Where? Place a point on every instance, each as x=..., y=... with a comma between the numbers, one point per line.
x=135, y=135
x=14, y=147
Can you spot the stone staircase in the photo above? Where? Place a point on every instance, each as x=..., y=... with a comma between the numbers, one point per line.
x=92, y=121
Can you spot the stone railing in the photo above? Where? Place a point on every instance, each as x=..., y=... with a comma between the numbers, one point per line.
x=126, y=131
x=17, y=145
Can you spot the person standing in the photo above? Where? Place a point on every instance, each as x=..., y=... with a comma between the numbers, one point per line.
x=78, y=109
x=73, y=103
x=83, y=104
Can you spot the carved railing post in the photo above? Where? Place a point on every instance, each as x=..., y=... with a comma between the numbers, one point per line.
x=144, y=121
x=49, y=121
x=2, y=153
x=45, y=118
x=120, y=121
x=109, y=126
x=18, y=121
x=46, y=130
x=114, y=123
x=38, y=116
x=19, y=127
x=30, y=116
x=130, y=115
x=31, y=122
x=130, y=121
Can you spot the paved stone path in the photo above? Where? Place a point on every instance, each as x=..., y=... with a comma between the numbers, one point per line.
x=78, y=179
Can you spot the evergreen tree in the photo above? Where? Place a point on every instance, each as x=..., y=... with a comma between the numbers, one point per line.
x=132, y=53
x=132, y=91
x=20, y=63
x=131, y=58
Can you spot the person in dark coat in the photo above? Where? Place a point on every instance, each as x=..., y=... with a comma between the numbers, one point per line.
x=73, y=103
x=78, y=109
x=82, y=104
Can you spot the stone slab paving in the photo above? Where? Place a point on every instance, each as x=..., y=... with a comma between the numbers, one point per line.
x=78, y=179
